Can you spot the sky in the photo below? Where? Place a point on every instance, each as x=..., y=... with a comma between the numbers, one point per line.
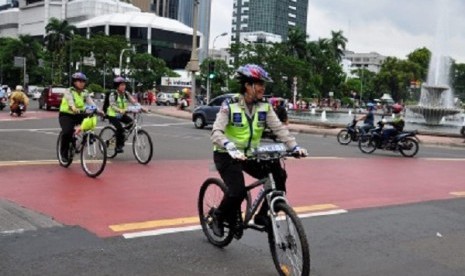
x=388, y=27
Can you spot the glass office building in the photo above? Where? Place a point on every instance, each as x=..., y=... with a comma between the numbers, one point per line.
x=274, y=17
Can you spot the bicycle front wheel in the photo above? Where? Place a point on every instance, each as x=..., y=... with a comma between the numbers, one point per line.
x=108, y=135
x=142, y=146
x=211, y=194
x=93, y=155
x=288, y=242
x=64, y=162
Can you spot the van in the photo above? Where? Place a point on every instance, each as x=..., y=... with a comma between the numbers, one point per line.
x=51, y=97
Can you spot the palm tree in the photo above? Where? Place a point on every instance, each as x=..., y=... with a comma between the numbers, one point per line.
x=297, y=43
x=338, y=44
x=58, y=33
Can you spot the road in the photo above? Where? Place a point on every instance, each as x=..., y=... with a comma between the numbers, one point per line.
x=391, y=215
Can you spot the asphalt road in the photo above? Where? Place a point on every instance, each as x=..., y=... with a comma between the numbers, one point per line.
x=424, y=236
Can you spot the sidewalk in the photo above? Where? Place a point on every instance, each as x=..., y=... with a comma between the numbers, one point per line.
x=323, y=129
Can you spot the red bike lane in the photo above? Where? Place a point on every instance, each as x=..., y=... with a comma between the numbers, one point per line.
x=162, y=191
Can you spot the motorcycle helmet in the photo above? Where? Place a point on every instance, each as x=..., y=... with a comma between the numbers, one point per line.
x=78, y=76
x=370, y=106
x=252, y=73
x=397, y=108
x=119, y=80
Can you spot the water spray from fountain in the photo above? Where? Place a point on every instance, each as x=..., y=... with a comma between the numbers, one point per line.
x=437, y=97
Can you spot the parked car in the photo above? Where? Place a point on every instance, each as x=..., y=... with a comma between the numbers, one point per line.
x=165, y=99
x=51, y=97
x=206, y=114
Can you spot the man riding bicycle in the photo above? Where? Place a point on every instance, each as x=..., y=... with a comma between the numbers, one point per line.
x=72, y=109
x=236, y=134
x=116, y=105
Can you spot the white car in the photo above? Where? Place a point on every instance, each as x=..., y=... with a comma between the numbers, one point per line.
x=165, y=99
x=36, y=93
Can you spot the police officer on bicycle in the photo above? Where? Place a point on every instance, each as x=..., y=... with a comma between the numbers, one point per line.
x=236, y=133
x=72, y=109
x=116, y=105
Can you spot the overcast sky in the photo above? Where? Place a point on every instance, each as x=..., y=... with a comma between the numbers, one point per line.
x=389, y=27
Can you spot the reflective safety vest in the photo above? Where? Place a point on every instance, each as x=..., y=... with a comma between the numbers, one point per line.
x=243, y=131
x=121, y=102
x=79, y=101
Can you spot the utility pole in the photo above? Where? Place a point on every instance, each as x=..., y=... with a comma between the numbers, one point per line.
x=193, y=65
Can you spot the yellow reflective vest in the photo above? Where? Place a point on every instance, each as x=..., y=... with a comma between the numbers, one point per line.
x=79, y=101
x=243, y=131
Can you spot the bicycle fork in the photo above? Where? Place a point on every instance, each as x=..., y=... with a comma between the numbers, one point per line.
x=273, y=198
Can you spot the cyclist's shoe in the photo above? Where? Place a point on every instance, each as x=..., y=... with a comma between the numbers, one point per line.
x=262, y=220
x=237, y=226
x=119, y=150
x=217, y=225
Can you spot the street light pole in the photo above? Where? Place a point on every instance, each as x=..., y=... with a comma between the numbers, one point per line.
x=121, y=59
x=208, y=76
x=193, y=64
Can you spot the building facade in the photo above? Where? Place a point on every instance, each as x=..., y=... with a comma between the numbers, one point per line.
x=183, y=11
x=162, y=37
x=272, y=17
x=370, y=61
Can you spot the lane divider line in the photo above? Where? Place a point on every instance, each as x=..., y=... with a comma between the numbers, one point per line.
x=166, y=225
x=173, y=230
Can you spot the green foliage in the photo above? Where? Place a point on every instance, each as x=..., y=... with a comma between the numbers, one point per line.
x=96, y=88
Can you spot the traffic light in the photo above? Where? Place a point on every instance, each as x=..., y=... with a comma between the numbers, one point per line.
x=211, y=70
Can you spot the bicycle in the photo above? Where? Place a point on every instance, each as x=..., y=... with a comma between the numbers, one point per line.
x=142, y=145
x=286, y=236
x=88, y=144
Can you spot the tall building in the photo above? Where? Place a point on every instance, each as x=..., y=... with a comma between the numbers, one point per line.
x=268, y=18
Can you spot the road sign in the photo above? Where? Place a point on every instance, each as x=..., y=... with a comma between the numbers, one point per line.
x=19, y=61
x=89, y=61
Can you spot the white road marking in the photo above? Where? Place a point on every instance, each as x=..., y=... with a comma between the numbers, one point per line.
x=172, y=230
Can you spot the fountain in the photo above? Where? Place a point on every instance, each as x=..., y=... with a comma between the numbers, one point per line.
x=436, y=100
x=323, y=116
x=433, y=108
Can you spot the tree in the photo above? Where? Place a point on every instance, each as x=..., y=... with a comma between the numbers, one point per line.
x=58, y=33
x=421, y=57
x=337, y=45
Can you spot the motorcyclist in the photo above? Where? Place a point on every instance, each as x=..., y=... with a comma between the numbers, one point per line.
x=16, y=98
x=397, y=124
x=116, y=112
x=368, y=118
x=72, y=109
x=236, y=133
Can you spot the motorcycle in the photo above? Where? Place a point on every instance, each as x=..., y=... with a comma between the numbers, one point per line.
x=405, y=142
x=19, y=110
x=349, y=134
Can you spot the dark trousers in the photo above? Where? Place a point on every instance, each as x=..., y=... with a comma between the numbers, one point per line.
x=116, y=122
x=231, y=171
x=67, y=124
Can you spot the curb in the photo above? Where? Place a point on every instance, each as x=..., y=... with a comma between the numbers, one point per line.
x=331, y=129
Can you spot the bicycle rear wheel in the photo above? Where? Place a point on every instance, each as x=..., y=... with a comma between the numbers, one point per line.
x=210, y=196
x=93, y=155
x=142, y=146
x=288, y=245
x=64, y=163
x=108, y=135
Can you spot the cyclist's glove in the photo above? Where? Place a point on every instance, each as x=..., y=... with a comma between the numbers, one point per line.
x=233, y=151
x=299, y=152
